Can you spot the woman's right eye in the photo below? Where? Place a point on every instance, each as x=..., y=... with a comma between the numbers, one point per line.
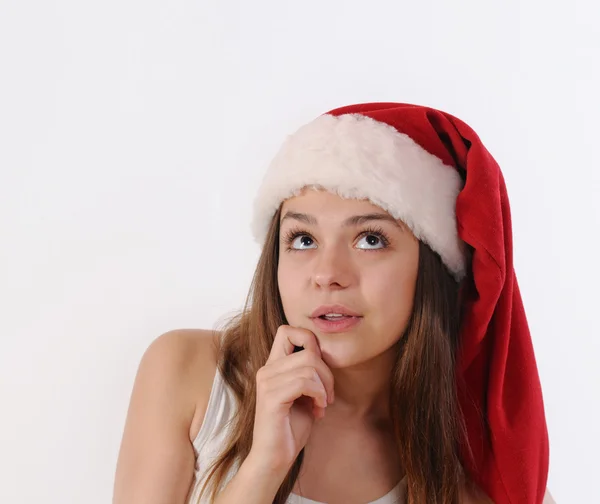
x=301, y=242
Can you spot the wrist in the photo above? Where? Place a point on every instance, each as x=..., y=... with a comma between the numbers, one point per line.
x=261, y=470
x=253, y=483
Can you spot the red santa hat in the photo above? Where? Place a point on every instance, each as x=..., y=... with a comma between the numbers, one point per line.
x=431, y=170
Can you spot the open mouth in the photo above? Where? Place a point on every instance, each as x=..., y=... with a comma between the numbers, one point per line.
x=332, y=318
x=336, y=323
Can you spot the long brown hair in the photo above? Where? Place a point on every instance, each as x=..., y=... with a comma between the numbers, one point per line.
x=424, y=406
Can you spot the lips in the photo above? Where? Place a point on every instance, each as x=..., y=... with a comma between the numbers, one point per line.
x=335, y=324
x=335, y=308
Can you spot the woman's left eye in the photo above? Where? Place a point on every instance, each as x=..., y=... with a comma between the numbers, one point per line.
x=373, y=241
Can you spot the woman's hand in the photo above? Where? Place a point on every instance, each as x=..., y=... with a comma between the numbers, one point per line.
x=293, y=390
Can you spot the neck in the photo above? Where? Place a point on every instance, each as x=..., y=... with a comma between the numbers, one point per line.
x=362, y=391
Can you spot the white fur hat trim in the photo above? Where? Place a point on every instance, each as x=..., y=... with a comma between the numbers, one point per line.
x=357, y=157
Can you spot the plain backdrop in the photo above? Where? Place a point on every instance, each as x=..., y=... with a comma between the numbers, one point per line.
x=133, y=136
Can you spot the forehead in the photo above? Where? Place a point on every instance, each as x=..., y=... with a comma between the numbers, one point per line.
x=320, y=201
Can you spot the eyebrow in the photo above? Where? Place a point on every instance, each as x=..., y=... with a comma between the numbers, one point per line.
x=355, y=220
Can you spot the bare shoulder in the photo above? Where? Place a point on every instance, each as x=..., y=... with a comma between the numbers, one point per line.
x=184, y=350
x=187, y=358
x=169, y=396
x=195, y=356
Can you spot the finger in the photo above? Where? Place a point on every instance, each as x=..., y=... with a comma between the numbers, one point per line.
x=301, y=385
x=304, y=359
x=287, y=337
x=309, y=404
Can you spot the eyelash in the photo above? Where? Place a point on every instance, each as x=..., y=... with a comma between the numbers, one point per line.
x=293, y=233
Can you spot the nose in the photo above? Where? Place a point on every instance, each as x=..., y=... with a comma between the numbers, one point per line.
x=332, y=270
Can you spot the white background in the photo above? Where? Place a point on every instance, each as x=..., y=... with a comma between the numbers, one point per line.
x=133, y=136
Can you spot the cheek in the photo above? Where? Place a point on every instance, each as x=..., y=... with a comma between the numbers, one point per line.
x=290, y=284
x=391, y=298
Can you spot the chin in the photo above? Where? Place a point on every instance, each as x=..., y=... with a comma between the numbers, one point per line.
x=340, y=351
x=339, y=354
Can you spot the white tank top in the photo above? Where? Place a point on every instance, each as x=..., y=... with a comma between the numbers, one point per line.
x=212, y=436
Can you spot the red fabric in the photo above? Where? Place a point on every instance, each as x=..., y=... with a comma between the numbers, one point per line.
x=496, y=363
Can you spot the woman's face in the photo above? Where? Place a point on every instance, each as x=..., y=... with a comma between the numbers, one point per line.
x=336, y=251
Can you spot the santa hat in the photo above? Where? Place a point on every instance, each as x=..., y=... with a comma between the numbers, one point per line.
x=431, y=170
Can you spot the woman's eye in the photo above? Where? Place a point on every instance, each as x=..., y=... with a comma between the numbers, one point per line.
x=302, y=242
x=372, y=242
x=368, y=241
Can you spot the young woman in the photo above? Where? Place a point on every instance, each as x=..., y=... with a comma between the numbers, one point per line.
x=383, y=355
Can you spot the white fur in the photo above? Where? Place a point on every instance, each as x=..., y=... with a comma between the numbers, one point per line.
x=357, y=157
